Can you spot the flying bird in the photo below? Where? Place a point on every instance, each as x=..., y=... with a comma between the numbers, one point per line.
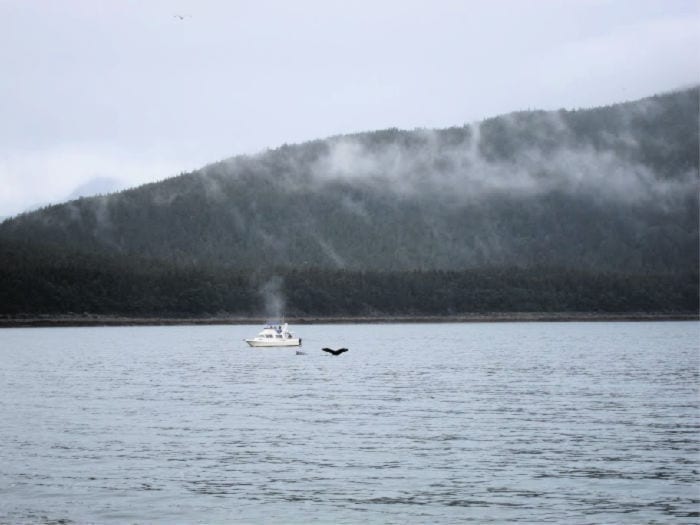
x=181, y=17
x=335, y=352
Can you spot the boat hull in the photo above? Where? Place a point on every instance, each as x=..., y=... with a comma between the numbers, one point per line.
x=295, y=341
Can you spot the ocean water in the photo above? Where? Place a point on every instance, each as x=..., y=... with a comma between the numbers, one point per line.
x=417, y=423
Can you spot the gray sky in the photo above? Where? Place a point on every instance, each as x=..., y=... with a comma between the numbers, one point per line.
x=126, y=90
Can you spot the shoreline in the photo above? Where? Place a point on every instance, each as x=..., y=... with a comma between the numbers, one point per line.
x=489, y=317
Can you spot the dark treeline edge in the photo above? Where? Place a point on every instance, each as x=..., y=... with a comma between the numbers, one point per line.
x=35, y=282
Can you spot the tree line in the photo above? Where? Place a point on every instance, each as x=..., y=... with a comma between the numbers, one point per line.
x=49, y=281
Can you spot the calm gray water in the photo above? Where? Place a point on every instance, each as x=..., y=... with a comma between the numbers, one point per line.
x=418, y=423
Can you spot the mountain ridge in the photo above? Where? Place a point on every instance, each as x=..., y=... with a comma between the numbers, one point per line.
x=610, y=191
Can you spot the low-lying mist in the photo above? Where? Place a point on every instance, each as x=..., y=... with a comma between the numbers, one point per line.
x=606, y=189
x=618, y=157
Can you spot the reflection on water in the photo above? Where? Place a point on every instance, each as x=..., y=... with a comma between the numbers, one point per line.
x=532, y=422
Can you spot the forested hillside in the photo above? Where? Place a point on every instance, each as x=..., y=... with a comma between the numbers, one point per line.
x=547, y=211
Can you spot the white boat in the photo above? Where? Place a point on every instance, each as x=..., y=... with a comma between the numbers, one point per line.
x=275, y=334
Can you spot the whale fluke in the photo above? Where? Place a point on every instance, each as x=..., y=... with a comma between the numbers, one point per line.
x=335, y=352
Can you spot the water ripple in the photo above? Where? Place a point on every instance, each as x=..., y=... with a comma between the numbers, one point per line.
x=564, y=423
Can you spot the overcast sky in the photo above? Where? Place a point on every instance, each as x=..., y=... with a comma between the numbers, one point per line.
x=129, y=91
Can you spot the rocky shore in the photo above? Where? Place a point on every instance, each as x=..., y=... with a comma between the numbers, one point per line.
x=100, y=320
